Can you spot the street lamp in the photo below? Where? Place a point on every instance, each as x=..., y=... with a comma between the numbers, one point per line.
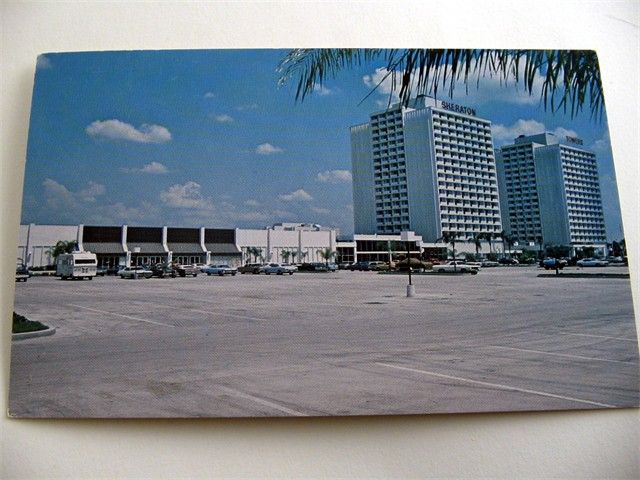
x=404, y=236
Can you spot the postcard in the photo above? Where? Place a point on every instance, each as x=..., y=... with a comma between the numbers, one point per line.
x=320, y=232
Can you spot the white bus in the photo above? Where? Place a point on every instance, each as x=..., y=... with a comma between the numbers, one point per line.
x=76, y=265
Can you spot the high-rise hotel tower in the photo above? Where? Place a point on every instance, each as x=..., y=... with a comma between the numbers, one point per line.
x=430, y=169
x=550, y=191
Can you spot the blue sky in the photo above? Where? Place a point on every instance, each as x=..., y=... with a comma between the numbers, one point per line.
x=193, y=138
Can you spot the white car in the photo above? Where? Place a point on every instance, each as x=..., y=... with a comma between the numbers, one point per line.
x=279, y=269
x=456, y=267
x=222, y=270
x=135, y=272
x=592, y=262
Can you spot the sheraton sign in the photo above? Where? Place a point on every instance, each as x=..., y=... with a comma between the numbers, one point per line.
x=452, y=107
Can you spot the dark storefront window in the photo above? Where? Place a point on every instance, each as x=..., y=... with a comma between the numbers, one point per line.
x=144, y=234
x=183, y=235
x=219, y=235
x=101, y=234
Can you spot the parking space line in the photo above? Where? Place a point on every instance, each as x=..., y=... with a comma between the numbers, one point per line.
x=496, y=385
x=210, y=312
x=262, y=401
x=580, y=357
x=599, y=336
x=121, y=315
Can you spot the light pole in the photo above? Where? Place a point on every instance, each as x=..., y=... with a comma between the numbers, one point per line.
x=404, y=236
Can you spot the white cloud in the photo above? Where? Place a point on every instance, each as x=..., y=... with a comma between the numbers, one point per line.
x=490, y=89
x=506, y=134
x=322, y=90
x=117, y=130
x=59, y=196
x=298, y=196
x=268, y=149
x=43, y=62
x=252, y=203
x=153, y=168
x=92, y=191
x=209, y=95
x=321, y=211
x=185, y=196
x=334, y=176
x=223, y=118
x=502, y=133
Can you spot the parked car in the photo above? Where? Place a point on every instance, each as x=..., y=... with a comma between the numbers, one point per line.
x=377, y=266
x=221, y=270
x=135, y=272
x=553, y=263
x=200, y=266
x=279, y=269
x=360, y=266
x=162, y=270
x=456, y=266
x=489, y=263
x=22, y=273
x=592, y=262
x=184, y=270
x=319, y=267
x=114, y=269
x=101, y=271
x=508, y=261
x=254, y=268
x=344, y=266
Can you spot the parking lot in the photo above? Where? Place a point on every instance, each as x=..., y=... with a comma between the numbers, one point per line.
x=311, y=344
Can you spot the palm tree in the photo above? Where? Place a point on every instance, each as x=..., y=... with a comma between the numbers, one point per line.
x=62, y=246
x=476, y=239
x=285, y=255
x=450, y=238
x=327, y=254
x=571, y=77
x=256, y=252
x=503, y=236
x=294, y=254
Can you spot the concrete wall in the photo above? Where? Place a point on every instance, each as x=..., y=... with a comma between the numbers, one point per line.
x=306, y=244
x=364, y=212
x=551, y=195
x=35, y=240
x=421, y=187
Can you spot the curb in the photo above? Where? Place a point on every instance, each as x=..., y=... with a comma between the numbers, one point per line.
x=584, y=275
x=40, y=333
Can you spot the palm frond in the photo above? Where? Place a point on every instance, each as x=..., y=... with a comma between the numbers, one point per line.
x=569, y=78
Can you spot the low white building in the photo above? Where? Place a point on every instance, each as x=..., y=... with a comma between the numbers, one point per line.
x=124, y=245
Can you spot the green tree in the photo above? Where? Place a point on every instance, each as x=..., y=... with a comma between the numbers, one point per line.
x=450, y=239
x=256, y=252
x=571, y=78
x=476, y=239
x=62, y=246
x=327, y=254
x=285, y=255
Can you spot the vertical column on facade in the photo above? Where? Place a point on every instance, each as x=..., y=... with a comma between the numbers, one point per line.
x=165, y=247
x=27, y=254
x=125, y=249
x=300, y=246
x=204, y=247
x=79, y=235
x=268, y=254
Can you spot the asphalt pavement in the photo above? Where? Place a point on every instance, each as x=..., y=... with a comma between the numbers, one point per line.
x=343, y=343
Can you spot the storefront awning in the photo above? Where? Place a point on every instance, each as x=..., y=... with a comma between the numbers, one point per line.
x=193, y=248
x=223, y=248
x=147, y=248
x=103, y=248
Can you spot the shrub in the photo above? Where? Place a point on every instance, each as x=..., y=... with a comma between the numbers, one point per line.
x=22, y=325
